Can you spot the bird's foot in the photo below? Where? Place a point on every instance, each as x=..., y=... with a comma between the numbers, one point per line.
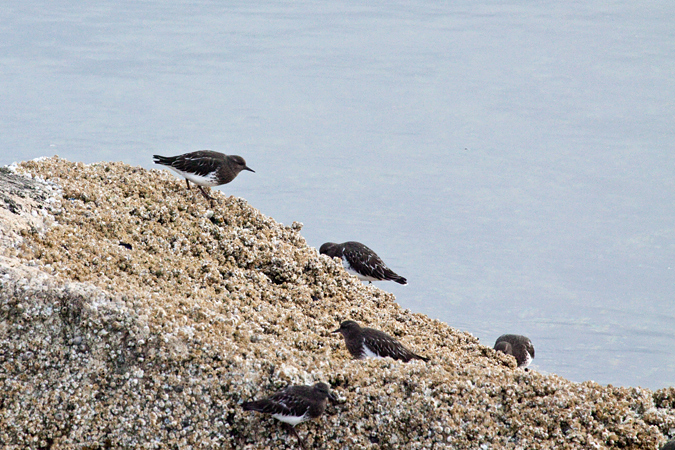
x=207, y=196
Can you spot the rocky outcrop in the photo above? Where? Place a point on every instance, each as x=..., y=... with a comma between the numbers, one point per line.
x=133, y=316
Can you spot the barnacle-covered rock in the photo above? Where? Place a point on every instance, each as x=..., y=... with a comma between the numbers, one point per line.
x=135, y=315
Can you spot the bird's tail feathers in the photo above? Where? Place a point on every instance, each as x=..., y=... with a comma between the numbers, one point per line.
x=252, y=406
x=163, y=160
x=423, y=358
x=400, y=280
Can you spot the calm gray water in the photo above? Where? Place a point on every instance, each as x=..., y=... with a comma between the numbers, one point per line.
x=514, y=160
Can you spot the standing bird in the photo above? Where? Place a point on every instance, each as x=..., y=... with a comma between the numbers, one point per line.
x=365, y=342
x=294, y=405
x=518, y=346
x=204, y=168
x=361, y=261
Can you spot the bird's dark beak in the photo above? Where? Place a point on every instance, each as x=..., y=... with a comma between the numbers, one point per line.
x=249, y=169
x=332, y=396
x=336, y=331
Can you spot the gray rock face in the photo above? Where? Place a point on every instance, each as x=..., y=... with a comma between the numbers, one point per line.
x=65, y=345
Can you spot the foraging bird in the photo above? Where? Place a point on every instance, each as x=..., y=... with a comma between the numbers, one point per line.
x=361, y=261
x=294, y=404
x=205, y=168
x=518, y=346
x=365, y=342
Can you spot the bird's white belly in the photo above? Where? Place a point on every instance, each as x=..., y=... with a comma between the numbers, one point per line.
x=369, y=354
x=292, y=420
x=209, y=180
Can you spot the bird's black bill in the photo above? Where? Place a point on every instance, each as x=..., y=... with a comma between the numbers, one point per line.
x=249, y=169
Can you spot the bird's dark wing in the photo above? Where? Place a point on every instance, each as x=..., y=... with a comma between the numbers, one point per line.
x=364, y=261
x=200, y=163
x=271, y=405
x=291, y=401
x=386, y=346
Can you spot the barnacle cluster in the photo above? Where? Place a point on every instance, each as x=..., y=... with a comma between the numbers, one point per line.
x=134, y=314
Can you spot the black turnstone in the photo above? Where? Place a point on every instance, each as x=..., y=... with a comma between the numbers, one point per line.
x=361, y=261
x=365, y=342
x=294, y=404
x=518, y=346
x=204, y=168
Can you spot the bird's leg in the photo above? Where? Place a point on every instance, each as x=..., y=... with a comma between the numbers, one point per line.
x=300, y=441
x=206, y=196
x=188, y=183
